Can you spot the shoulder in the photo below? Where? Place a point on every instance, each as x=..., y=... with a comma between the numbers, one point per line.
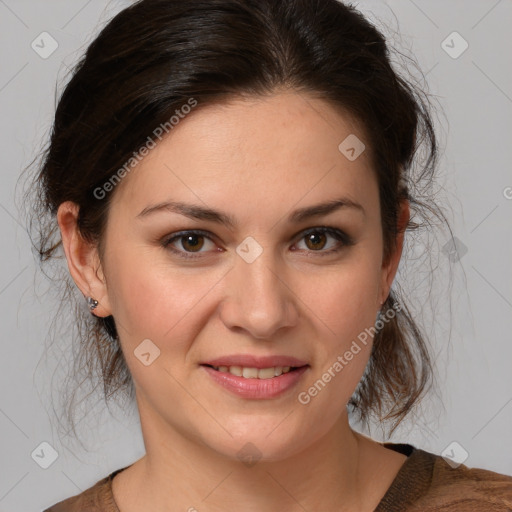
x=97, y=498
x=426, y=482
x=463, y=488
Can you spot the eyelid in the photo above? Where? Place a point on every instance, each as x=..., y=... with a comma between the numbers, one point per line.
x=344, y=240
x=167, y=242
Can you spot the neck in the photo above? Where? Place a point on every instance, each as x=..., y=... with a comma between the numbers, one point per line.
x=178, y=473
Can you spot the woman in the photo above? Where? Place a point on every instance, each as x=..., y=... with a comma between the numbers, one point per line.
x=232, y=181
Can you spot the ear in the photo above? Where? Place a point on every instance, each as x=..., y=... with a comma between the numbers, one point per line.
x=83, y=259
x=390, y=267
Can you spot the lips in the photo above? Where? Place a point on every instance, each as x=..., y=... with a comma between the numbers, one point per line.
x=256, y=388
x=253, y=377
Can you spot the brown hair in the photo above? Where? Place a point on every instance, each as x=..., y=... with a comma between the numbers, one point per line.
x=156, y=55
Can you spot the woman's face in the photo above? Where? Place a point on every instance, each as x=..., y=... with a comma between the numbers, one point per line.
x=260, y=287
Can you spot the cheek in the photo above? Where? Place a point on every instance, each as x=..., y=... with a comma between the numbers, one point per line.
x=165, y=307
x=159, y=302
x=344, y=305
x=345, y=298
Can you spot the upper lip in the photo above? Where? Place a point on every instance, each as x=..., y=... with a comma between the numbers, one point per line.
x=249, y=361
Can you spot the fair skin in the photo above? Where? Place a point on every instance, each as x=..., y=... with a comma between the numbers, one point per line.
x=257, y=160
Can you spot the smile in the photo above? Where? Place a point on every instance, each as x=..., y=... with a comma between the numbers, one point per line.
x=255, y=373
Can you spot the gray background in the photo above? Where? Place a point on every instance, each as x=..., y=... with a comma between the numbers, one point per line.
x=474, y=407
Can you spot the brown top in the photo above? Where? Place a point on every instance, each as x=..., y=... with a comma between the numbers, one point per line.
x=425, y=482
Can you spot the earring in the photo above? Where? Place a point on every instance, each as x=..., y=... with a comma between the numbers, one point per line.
x=92, y=303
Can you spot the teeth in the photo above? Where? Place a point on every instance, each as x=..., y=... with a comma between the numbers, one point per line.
x=254, y=373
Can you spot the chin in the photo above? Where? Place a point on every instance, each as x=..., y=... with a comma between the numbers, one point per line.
x=258, y=440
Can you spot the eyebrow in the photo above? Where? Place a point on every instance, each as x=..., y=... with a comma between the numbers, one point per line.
x=202, y=213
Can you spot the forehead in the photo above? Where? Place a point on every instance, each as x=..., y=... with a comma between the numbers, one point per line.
x=285, y=145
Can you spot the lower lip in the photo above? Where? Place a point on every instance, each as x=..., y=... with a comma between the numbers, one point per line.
x=256, y=388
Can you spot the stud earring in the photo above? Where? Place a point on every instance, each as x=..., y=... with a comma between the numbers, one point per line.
x=92, y=303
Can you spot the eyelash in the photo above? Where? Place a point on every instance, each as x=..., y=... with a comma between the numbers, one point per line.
x=339, y=235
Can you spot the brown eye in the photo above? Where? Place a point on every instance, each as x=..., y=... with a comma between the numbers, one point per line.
x=192, y=242
x=188, y=243
x=316, y=240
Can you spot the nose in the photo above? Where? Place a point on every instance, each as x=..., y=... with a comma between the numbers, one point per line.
x=258, y=299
